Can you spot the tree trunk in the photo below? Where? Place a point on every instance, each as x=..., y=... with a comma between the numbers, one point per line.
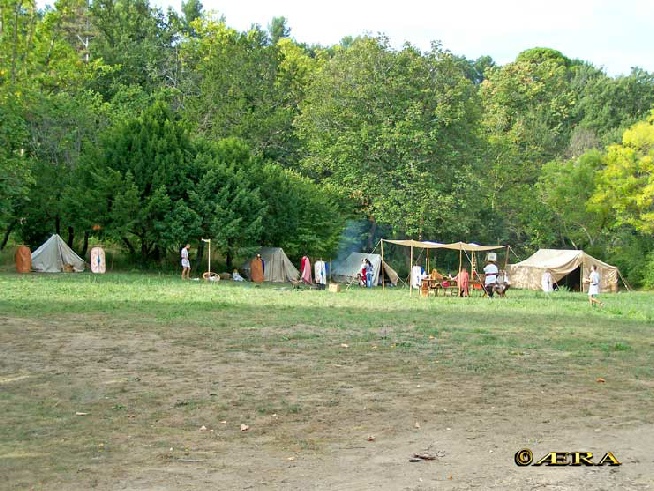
x=371, y=233
x=5, y=239
x=144, y=251
x=85, y=243
x=129, y=246
x=71, y=236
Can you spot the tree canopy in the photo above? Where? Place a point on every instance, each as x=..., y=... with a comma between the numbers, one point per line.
x=148, y=129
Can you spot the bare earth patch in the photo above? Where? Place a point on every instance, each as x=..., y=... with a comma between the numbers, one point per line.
x=124, y=405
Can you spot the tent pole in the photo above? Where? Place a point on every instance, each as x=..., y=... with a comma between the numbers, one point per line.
x=382, y=264
x=460, y=260
x=411, y=269
x=623, y=281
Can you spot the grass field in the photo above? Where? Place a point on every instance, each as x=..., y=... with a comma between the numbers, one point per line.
x=143, y=382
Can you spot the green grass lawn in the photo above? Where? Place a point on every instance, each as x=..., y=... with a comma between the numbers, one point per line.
x=148, y=360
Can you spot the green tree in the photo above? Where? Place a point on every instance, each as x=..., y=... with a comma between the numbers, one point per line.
x=144, y=174
x=227, y=198
x=58, y=114
x=301, y=216
x=398, y=131
x=240, y=84
x=626, y=184
x=527, y=108
x=136, y=43
x=18, y=22
x=278, y=29
x=562, y=192
x=15, y=164
x=192, y=11
x=607, y=106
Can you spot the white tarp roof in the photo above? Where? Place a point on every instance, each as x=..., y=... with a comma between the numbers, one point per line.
x=424, y=244
x=53, y=255
x=527, y=274
x=346, y=270
x=457, y=246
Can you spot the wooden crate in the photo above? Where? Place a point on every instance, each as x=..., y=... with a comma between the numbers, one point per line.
x=334, y=287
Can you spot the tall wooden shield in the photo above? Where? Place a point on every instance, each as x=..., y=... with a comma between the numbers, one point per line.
x=23, y=259
x=98, y=264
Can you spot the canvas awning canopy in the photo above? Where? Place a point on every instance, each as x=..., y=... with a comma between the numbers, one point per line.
x=414, y=243
x=471, y=247
x=527, y=274
x=457, y=246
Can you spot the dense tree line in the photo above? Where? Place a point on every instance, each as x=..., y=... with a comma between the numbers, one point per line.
x=149, y=129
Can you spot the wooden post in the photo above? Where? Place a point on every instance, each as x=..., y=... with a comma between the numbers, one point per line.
x=411, y=275
x=382, y=264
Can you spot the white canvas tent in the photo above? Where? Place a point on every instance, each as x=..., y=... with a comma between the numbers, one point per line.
x=54, y=255
x=569, y=266
x=346, y=271
x=277, y=267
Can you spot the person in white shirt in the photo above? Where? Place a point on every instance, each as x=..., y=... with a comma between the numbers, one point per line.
x=186, y=265
x=546, y=281
x=490, y=278
x=593, y=281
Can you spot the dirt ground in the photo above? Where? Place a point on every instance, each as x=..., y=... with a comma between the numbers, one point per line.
x=120, y=406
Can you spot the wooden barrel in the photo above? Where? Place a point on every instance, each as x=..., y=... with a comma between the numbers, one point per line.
x=23, y=259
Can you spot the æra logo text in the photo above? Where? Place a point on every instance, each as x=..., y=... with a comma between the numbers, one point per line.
x=525, y=457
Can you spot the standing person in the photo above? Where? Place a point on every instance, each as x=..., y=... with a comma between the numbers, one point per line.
x=257, y=269
x=593, y=281
x=305, y=268
x=363, y=273
x=463, y=281
x=490, y=279
x=546, y=281
x=186, y=265
x=370, y=271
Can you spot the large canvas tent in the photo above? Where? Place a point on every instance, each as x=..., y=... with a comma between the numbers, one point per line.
x=54, y=256
x=568, y=267
x=277, y=266
x=346, y=271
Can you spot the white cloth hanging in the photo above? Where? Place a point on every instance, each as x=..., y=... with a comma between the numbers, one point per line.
x=416, y=276
x=321, y=272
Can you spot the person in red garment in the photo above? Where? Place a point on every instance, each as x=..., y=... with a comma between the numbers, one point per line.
x=463, y=281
